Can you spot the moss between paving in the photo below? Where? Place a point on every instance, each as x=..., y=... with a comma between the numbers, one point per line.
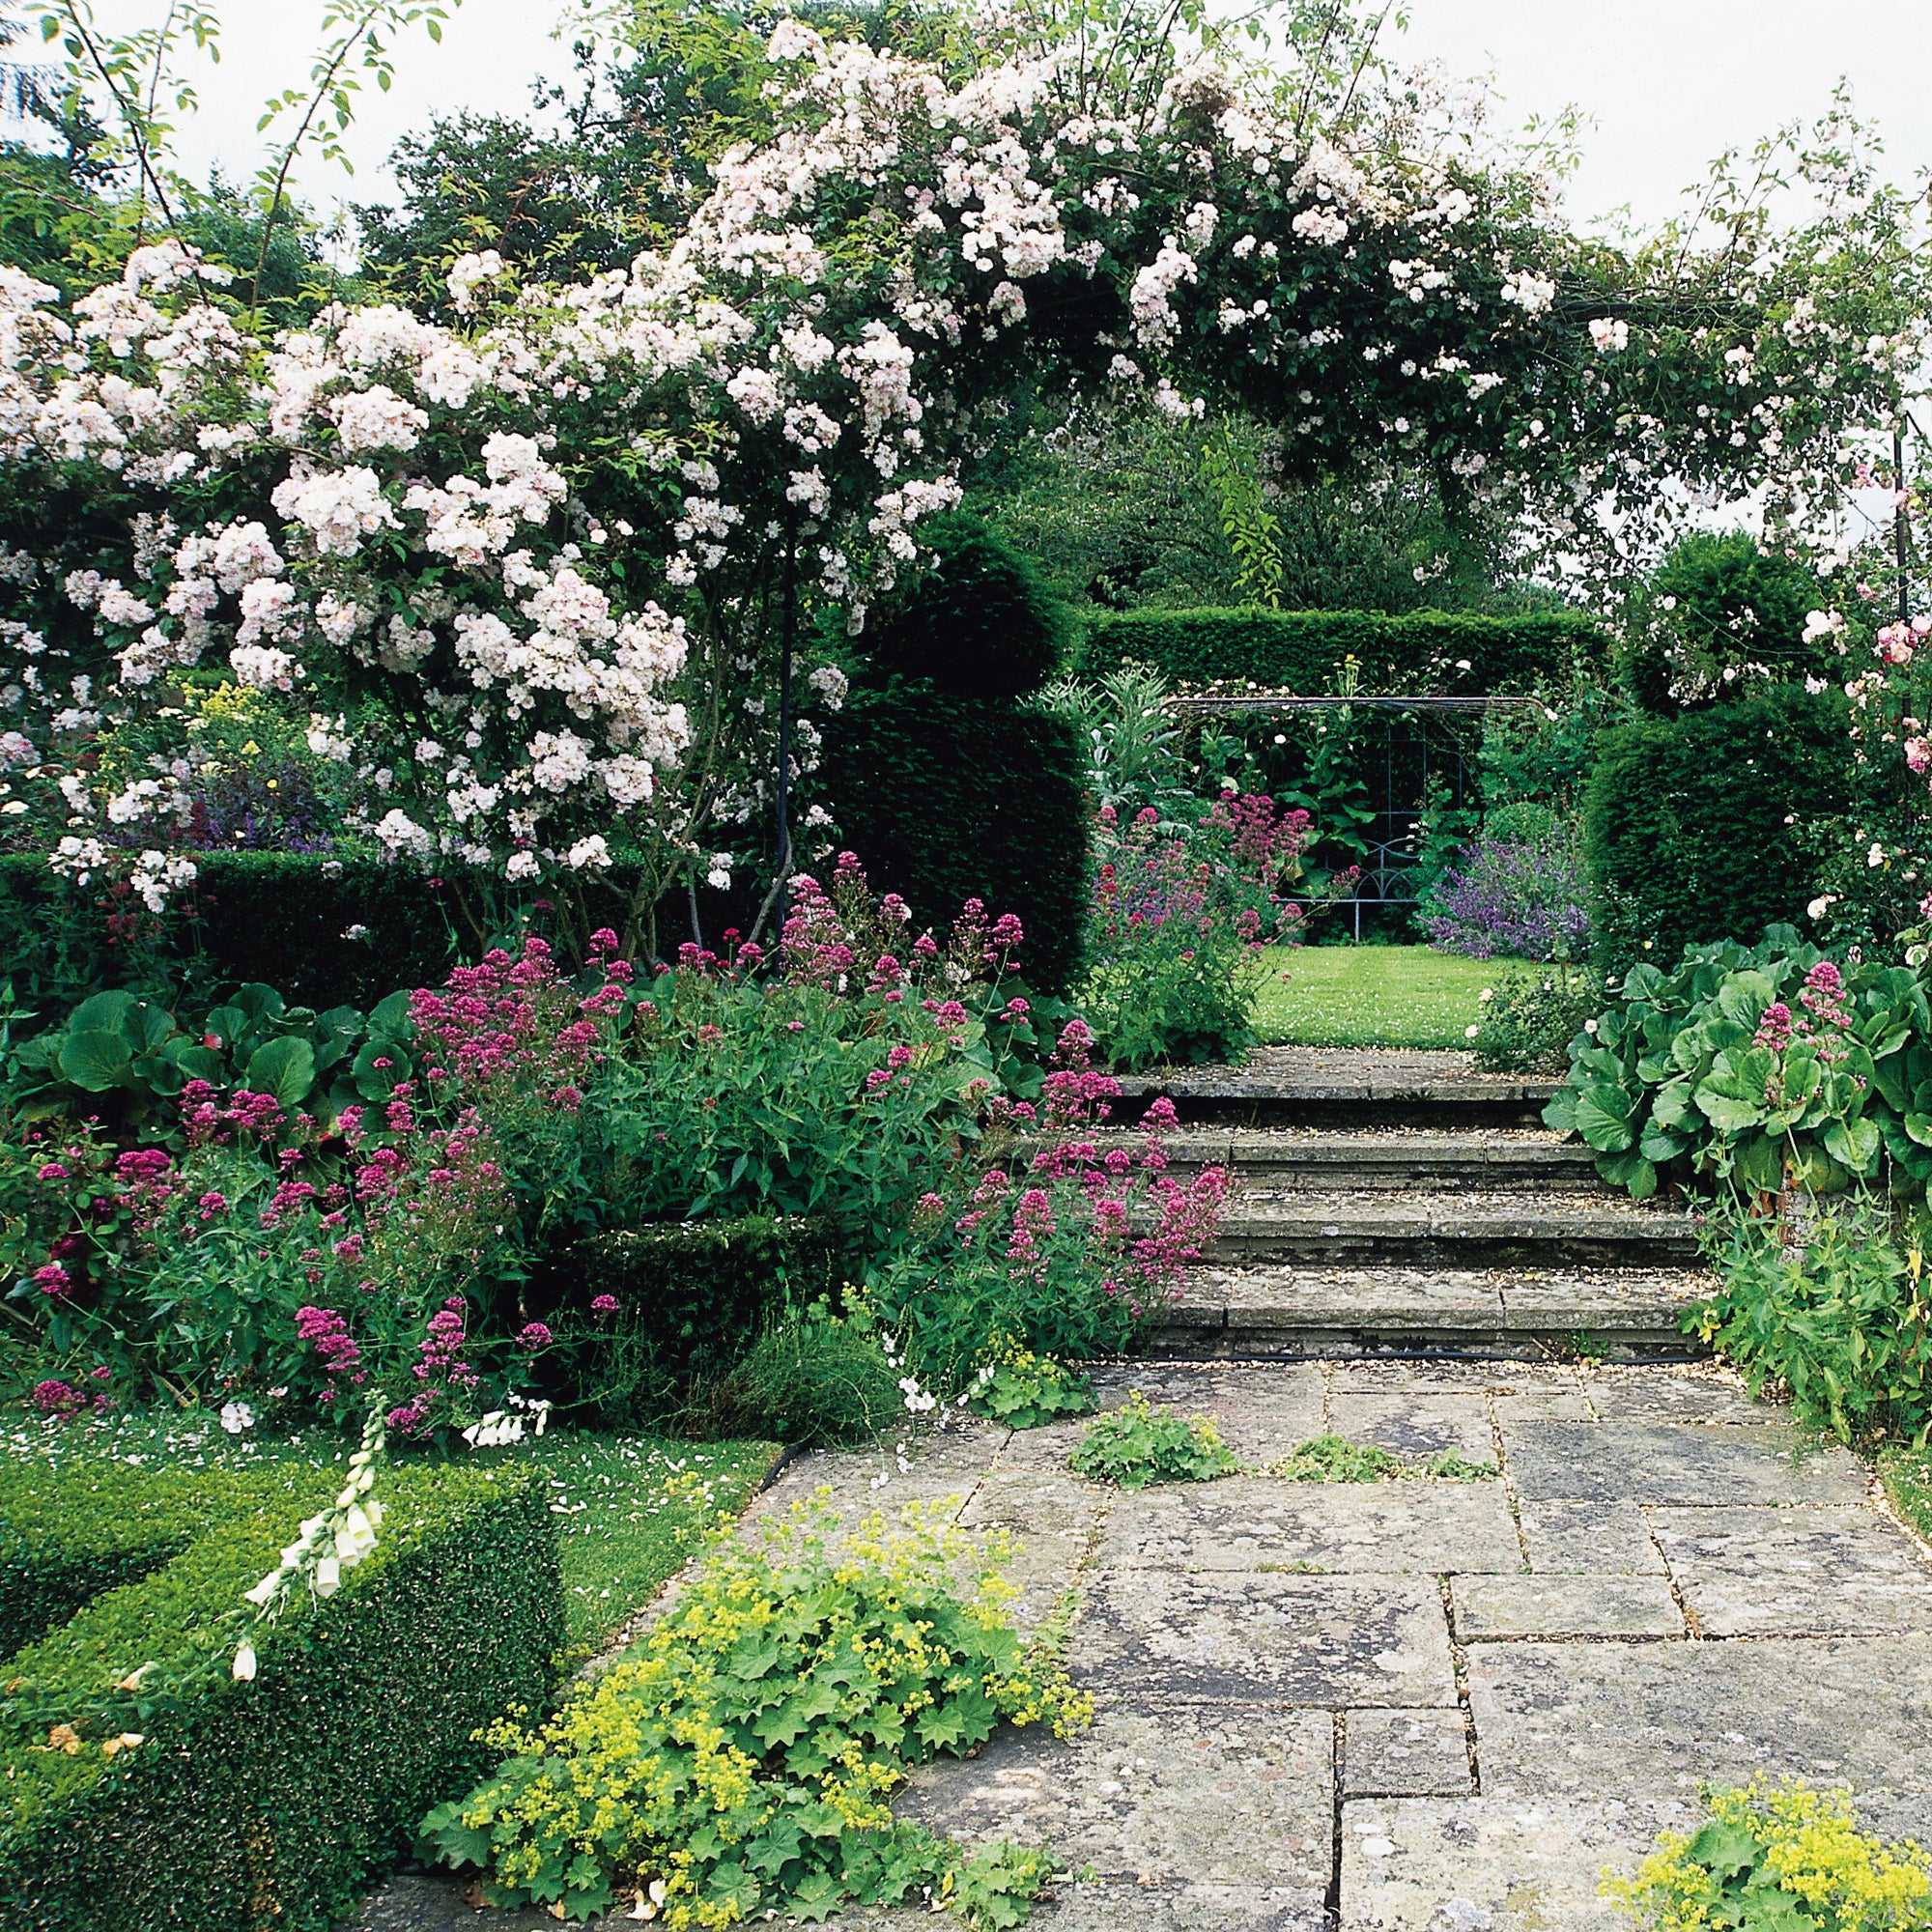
x=1406, y=996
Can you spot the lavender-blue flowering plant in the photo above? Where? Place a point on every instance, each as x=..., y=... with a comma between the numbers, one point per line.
x=1519, y=897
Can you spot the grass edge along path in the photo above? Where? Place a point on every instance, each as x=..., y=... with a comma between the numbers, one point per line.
x=1399, y=995
x=1907, y=1476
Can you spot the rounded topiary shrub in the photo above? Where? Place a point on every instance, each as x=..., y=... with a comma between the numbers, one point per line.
x=981, y=623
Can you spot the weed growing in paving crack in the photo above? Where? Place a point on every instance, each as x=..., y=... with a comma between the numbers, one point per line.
x=1139, y=1445
x=1334, y=1459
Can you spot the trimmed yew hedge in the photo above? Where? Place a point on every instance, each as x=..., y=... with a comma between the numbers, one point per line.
x=947, y=798
x=1699, y=828
x=1422, y=652
x=274, y=1801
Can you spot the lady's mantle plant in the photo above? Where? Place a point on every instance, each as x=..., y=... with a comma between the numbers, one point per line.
x=1779, y=1858
x=1139, y=1445
x=741, y=1760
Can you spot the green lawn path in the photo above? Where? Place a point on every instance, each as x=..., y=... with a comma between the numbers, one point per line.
x=1372, y=995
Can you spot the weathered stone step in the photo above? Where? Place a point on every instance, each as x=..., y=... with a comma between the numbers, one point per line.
x=1287, y=1311
x=1492, y=1160
x=1451, y=1230
x=1343, y=1088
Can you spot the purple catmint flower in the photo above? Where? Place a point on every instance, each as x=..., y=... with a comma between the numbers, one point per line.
x=1511, y=896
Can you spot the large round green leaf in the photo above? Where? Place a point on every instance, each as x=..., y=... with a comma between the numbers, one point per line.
x=1603, y=1119
x=1732, y=1095
x=95, y=1060
x=284, y=1068
x=104, y=1012
x=1854, y=1143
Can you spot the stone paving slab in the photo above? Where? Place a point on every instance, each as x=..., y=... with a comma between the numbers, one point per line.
x=1489, y=1865
x=1489, y=1609
x=1233, y=1639
x=1653, y=1300
x=1254, y=1522
x=1256, y=1300
x=1701, y=1392
x=1677, y=1463
x=1406, y=1754
x=1262, y=1410
x=1417, y=1424
x=1144, y=1908
x=1765, y=1572
x=1587, y=1539
x=1344, y=1074
x=1649, y=1720
x=1031, y=1502
x=1213, y=1797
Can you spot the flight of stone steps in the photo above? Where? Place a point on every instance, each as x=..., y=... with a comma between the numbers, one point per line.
x=1404, y=1203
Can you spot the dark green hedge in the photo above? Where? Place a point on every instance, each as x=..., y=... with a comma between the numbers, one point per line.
x=1303, y=650
x=1695, y=828
x=276, y=917
x=692, y=1296
x=947, y=798
x=276, y=1801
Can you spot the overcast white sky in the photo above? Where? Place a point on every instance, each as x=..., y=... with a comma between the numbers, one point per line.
x=1667, y=83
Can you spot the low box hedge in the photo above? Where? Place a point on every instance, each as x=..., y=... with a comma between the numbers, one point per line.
x=270, y=1802
x=1419, y=653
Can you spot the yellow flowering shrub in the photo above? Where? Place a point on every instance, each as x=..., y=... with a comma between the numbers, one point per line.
x=1779, y=1858
x=742, y=1758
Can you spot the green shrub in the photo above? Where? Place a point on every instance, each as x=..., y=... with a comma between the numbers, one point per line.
x=689, y=1294
x=1697, y=829
x=1334, y=1459
x=1525, y=1022
x=276, y=917
x=1754, y=1064
x=982, y=623
x=1718, y=604
x=811, y=1377
x=1842, y=1318
x=1304, y=651
x=741, y=1759
x=276, y=1800
x=1027, y=1391
x=949, y=798
x=1139, y=1445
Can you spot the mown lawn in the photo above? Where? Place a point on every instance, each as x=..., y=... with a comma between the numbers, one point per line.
x=1371, y=995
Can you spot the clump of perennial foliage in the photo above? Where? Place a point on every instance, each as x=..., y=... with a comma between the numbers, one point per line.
x=527, y=572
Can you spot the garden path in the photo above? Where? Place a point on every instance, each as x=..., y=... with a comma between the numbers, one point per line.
x=1417, y=1704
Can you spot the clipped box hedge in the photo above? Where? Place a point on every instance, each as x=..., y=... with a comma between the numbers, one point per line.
x=276, y=1801
x=1417, y=654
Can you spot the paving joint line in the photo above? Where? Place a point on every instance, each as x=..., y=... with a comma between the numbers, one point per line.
x=1331, y=1902
x=1459, y=1665
x=1694, y=1627
x=1503, y=1476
